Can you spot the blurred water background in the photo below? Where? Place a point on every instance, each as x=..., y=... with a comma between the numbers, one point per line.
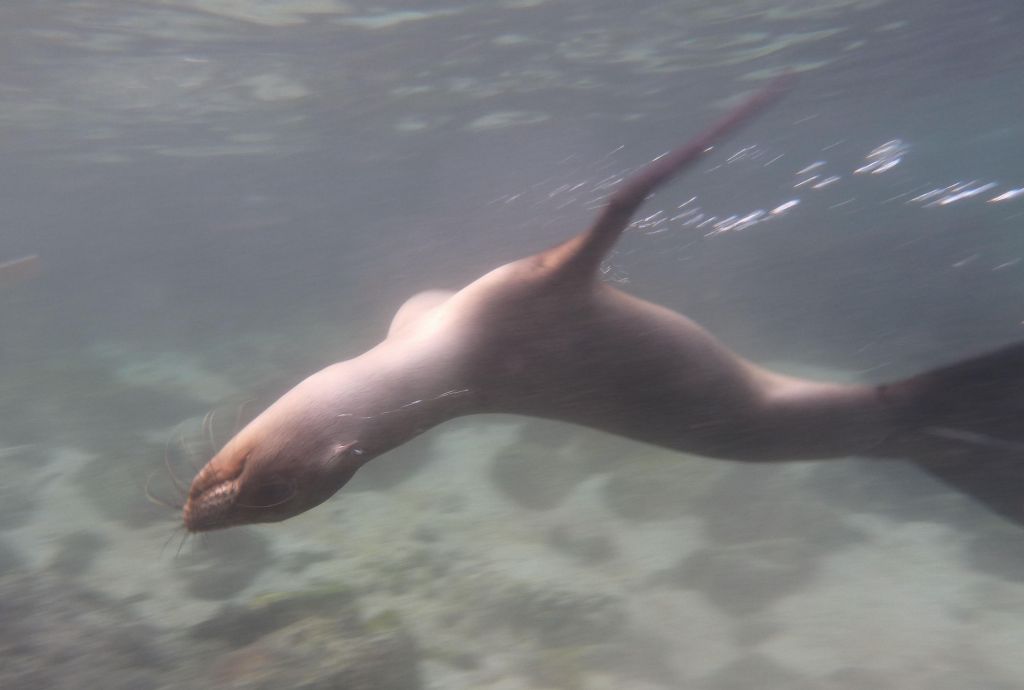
x=224, y=196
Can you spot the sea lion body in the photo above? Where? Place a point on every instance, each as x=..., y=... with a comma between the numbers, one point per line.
x=507, y=343
x=590, y=354
x=543, y=337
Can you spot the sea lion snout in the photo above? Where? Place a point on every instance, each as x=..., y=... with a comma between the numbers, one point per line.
x=213, y=491
x=210, y=509
x=264, y=484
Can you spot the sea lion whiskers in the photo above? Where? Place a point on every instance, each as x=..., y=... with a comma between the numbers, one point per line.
x=181, y=544
x=176, y=527
x=178, y=484
x=209, y=426
x=186, y=451
x=171, y=536
x=191, y=443
x=206, y=429
x=156, y=500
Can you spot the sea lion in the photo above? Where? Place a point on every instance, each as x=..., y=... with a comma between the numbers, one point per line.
x=543, y=337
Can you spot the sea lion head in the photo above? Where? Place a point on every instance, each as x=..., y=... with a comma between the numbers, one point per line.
x=262, y=476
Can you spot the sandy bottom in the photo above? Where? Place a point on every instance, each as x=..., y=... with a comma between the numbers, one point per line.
x=645, y=570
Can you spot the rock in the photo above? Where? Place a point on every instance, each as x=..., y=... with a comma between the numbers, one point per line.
x=17, y=500
x=60, y=636
x=885, y=488
x=238, y=625
x=224, y=564
x=394, y=467
x=300, y=560
x=91, y=404
x=483, y=598
x=766, y=533
x=426, y=532
x=997, y=551
x=602, y=452
x=655, y=485
x=307, y=640
x=413, y=568
x=22, y=483
x=76, y=553
x=535, y=474
x=743, y=579
x=318, y=654
x=565, y=667
x=10, y=560
x=756, y=671
x=114, y=486
x=586, y=541
x=857, y=679
x=563, y=617
x=753, y=503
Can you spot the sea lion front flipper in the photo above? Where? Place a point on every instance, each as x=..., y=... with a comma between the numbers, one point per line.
x=415, y=308
x=581, y=256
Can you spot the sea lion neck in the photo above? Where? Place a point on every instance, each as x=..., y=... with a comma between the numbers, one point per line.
x=384, y=397
x=302, y=449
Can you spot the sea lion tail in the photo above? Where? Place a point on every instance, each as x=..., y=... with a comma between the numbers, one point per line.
x=976, y=402
x=581, y=256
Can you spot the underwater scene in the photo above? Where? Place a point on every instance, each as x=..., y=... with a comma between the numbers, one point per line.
x=205, y=202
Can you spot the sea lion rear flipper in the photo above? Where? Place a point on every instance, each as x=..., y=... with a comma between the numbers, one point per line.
x=964, y=423
x=581, y=256
x=978, y=401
